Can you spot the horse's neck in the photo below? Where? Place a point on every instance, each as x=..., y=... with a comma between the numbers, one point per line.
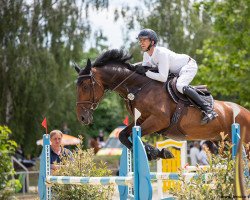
x=123, y=84
x=117, y=80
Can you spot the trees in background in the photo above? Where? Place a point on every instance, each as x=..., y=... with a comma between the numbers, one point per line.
x=226, y=63
x=39, y=38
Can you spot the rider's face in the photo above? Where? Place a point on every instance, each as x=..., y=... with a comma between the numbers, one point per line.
x=144, y=43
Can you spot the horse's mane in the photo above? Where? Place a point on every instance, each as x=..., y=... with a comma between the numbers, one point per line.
x=112, y=56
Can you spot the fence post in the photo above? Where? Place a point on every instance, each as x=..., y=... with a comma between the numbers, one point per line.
x=235, y=138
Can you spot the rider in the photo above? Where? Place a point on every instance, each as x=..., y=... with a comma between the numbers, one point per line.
x=169, y=61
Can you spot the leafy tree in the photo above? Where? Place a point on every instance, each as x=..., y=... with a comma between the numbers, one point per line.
x=226, y=56
x=38, y=40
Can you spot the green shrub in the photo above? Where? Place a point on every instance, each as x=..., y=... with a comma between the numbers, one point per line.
x=7, y=148
x=219, y=183
x=82, y=164
x=112, y=162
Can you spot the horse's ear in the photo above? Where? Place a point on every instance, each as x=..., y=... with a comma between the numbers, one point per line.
x=88, y=66
x=77, y=68
x=88, y=63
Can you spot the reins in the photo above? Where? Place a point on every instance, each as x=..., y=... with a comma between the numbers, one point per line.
x=123, y=81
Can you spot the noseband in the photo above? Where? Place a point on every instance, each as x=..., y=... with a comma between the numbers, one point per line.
x=93, y=104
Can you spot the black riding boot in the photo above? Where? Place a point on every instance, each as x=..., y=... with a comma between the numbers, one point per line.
x=209, y=113
x=154, y=153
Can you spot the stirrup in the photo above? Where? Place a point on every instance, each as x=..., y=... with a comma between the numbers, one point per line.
x=208, y=117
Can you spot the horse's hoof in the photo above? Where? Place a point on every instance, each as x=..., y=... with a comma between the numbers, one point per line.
x=165, y=154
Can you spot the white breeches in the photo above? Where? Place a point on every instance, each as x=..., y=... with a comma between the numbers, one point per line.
x=186, y=75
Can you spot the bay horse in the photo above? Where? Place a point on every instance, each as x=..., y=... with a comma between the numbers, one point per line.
x=111, y=71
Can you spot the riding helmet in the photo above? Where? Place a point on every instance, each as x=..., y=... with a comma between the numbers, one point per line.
x=148, y=33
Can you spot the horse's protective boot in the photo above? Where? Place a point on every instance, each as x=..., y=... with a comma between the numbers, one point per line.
x=209, y=113
x=154, y=153
x=165, y=154
x=123, y=137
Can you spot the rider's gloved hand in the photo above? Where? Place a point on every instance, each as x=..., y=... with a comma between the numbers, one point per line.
x=141, y=70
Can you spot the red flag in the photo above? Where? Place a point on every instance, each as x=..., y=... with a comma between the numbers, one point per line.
x=44, y=124
x=125, y=121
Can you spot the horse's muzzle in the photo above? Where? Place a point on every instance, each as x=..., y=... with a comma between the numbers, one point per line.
x=85, y=116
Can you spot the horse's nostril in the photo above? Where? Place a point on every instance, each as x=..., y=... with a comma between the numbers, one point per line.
x=82, y=118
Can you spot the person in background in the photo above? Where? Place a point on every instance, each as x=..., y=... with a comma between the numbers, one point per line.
x=65, y=129
x=56, y=149
x=101, y=139
x=194, y=153
x=202, y=157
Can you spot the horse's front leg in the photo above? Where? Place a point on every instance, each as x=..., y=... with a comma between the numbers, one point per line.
x=152, y=125
x=148, y=126
x=124, y=135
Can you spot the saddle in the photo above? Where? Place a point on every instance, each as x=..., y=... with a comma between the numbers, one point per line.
x=179, y=97
x=183, y=102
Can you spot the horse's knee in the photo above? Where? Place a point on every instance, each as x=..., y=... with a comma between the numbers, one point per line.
x=123, y=137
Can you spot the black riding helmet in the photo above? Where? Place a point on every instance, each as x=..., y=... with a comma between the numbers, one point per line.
x=148, y=33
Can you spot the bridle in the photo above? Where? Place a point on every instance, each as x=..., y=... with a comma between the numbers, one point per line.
x=93, y=104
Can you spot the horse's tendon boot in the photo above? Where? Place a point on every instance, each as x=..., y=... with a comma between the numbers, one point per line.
x=165, y=154
x=152, y=152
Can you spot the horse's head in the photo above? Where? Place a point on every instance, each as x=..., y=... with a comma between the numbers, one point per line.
x=89, y=93
x=109, y=72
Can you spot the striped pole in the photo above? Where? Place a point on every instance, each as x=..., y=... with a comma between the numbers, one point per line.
x=77, y=180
